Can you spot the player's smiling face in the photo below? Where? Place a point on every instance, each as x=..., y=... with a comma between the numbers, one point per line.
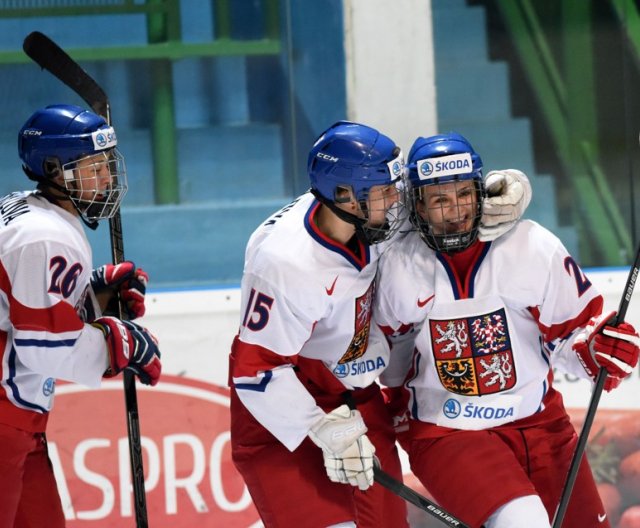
x=449, y=207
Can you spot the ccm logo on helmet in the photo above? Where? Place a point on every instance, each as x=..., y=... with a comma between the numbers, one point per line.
x=32, y=132
x=326, y=157
x=445, y=166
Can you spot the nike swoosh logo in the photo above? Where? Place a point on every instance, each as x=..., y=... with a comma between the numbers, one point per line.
x=330, y=290
x=422, y=304
x=601, y=518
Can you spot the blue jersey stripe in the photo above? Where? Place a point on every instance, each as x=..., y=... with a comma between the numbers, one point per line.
x=14, y=388
x=45, y=343
x=259, y=387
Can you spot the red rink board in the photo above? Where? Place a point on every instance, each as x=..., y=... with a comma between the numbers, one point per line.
x=189, y=476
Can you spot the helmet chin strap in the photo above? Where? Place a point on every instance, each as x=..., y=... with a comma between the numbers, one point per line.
x=46, y=184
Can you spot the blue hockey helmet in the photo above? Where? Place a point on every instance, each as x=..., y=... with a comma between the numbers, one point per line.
x=440, y=160
x=59, y=139
x=355, y=157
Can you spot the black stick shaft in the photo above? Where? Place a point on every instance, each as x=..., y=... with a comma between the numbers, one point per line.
x=130, y=396
x=51, y=57
x=593, y=403
x=405, y=492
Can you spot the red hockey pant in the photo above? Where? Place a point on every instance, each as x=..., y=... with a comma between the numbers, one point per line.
x=28, y=493
x=293, y=489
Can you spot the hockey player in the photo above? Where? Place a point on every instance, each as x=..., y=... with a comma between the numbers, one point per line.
x=304, y=364
x=488, y=434
x=50, y=298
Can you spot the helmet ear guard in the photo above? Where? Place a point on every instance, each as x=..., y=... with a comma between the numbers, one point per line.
x=51, y=167
x=343, y=194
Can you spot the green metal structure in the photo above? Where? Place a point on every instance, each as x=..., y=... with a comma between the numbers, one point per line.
x=163, y=48
x=566, y=96
x=567, y=102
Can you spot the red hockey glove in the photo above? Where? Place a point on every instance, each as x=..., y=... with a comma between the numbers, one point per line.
x=130, y=281
x=613, y=348
x=396, y=401
x=130, y=346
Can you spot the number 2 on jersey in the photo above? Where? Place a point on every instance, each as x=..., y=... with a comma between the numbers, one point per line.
x=256, y=315
x=582, y=282
x=63, y=281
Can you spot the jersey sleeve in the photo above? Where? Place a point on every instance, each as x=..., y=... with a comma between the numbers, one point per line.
x=570, y=301
x=276, y=316
x=44, y=285
x=400, y=358
x=273, y=395
x=272, y=331
x=395, y=322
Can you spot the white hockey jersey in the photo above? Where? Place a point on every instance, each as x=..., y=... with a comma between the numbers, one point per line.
x=45, y=265
x=485, y=344
x=306, y=303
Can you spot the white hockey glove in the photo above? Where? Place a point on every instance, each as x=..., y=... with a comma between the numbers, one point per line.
x=508, y=196
x=348, y=453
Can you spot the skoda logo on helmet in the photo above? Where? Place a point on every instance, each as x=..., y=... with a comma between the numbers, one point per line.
x=426, y=168
x=104, y=138
x=101, y=140
x=396, y=165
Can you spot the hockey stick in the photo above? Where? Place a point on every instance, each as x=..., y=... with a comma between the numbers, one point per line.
x=49, y=56
x=406, y=493
x=595, y=399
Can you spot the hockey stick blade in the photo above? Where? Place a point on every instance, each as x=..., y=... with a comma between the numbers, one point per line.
x=406, y=493
x=51, y=57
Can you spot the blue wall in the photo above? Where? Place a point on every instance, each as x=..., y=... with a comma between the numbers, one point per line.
x=244, y=127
